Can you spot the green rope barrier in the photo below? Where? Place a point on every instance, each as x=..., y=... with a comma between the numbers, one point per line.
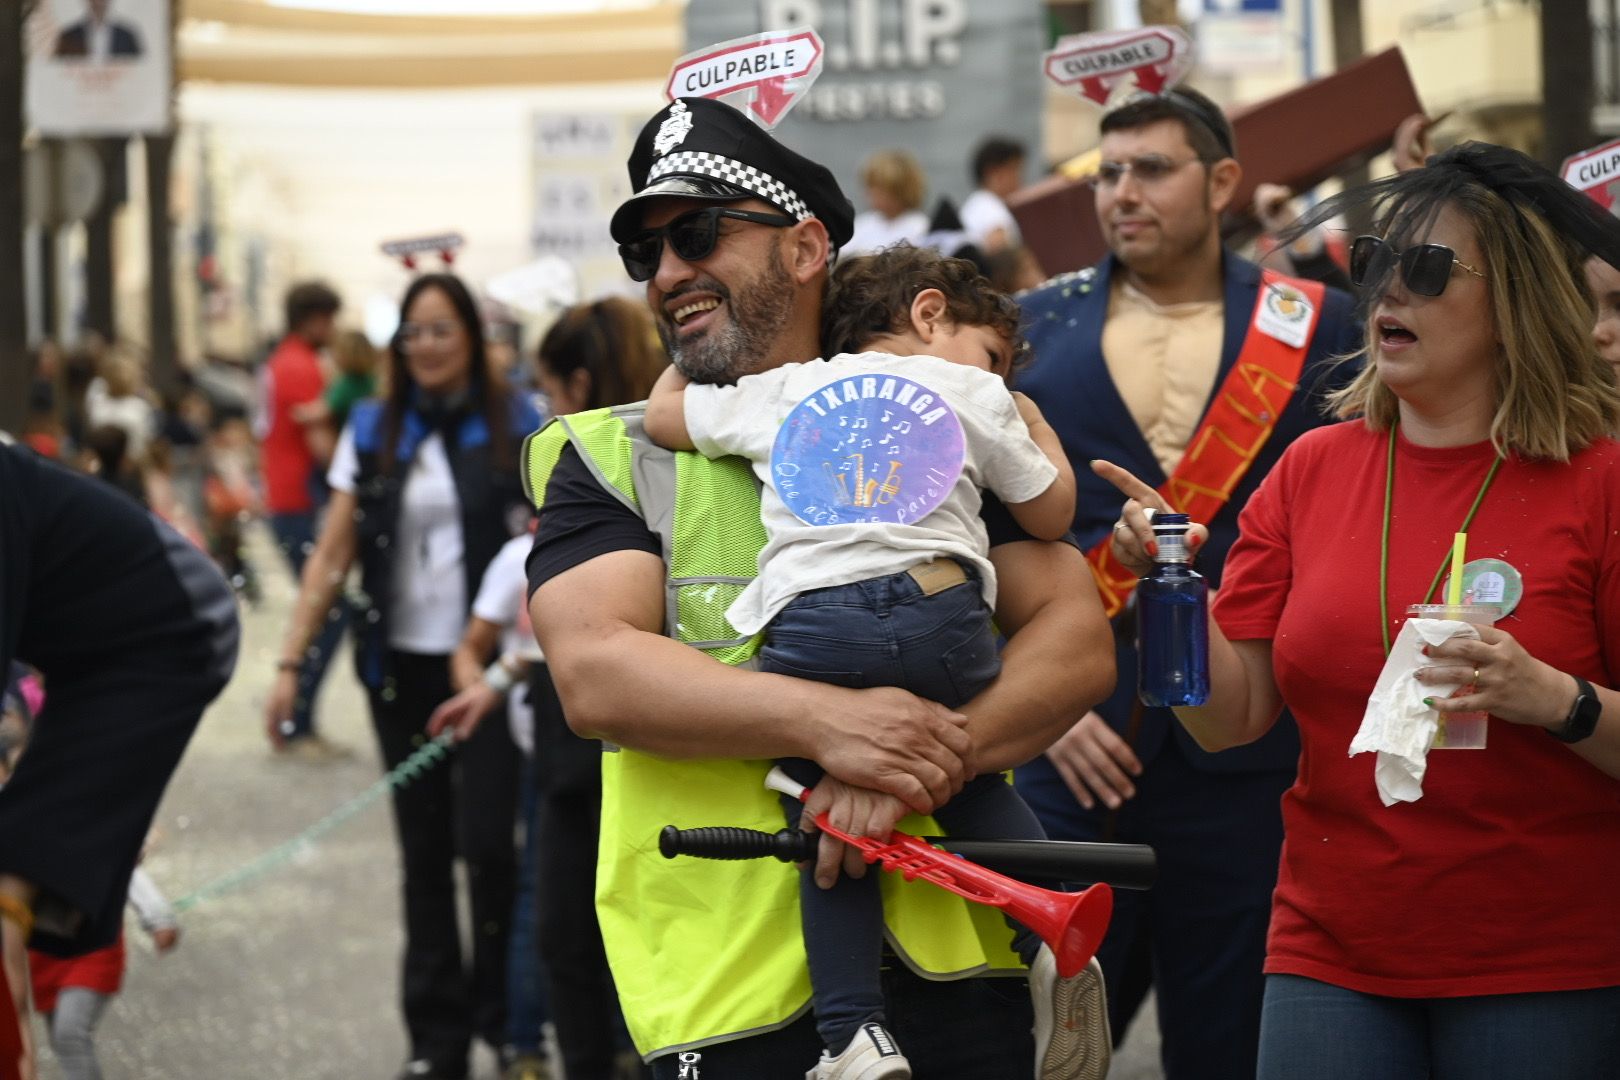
x=424, y=758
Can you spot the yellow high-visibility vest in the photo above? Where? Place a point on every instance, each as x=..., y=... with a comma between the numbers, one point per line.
x=704, y=951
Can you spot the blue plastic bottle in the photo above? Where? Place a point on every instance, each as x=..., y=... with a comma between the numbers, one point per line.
x=1172, y=622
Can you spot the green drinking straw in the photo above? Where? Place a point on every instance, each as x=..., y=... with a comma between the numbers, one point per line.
x=1459, y=544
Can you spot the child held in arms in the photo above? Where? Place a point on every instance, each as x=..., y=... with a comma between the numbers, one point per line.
x=875, y=571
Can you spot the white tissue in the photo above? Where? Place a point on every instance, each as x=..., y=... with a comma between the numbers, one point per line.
x=1397, y=724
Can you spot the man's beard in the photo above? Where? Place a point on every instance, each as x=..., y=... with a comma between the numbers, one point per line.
x=1171, y=251
x=755, y=314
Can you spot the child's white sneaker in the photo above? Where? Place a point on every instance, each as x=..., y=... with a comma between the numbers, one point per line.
x=1071, y=1021
x=870, y=1055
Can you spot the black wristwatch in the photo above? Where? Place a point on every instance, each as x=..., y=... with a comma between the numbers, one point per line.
x=1583, y=715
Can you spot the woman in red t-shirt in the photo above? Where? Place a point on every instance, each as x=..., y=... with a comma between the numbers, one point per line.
x=1470, y=933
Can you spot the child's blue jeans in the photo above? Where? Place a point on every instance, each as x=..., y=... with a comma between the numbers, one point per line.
x=936, y=642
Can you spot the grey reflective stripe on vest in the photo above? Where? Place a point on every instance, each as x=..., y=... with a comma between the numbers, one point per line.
x=590, y=463
x=652, y=472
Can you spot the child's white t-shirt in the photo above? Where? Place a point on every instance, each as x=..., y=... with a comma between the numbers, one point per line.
x=846, y=415
x=503, y=598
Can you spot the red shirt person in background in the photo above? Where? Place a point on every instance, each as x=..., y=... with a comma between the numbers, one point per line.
x=295, y=444
x=292, y=453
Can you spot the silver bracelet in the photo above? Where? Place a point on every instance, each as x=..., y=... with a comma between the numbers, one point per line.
x=498, y=677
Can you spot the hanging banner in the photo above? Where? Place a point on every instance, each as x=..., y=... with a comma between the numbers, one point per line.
x=763, y=73
x=934, y=77
x=99, y=67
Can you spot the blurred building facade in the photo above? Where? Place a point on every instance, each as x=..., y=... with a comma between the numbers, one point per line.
x=308, y=137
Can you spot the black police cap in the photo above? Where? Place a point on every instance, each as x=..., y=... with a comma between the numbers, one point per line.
x=698, y=148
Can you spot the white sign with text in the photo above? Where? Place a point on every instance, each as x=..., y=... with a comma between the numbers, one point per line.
x=1094, y=65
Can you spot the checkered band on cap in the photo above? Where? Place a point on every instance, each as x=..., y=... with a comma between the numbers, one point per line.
x=714, y=166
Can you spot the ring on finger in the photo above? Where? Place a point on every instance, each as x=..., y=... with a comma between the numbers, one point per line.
x=1120, y=526
x=1476, y=676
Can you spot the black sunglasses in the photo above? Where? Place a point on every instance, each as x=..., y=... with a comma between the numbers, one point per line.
x=1425, y=268
x=692, y=237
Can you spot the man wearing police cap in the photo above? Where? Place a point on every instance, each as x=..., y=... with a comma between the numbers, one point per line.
x=1180, y=361
x=638, y=554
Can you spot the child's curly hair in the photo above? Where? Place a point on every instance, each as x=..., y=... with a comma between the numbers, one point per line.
x=871, y=295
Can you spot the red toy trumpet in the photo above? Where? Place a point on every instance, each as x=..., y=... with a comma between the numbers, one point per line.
x=1071, y=924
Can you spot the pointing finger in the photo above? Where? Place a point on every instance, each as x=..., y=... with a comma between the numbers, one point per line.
x=1128, y=484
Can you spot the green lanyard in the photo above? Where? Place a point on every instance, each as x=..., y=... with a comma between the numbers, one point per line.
x=1383, y=549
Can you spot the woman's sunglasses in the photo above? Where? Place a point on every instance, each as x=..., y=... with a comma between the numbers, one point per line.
x=1425, y=268
x=691, y=236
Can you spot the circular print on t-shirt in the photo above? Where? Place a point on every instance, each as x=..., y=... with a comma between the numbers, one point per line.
x=870, y=448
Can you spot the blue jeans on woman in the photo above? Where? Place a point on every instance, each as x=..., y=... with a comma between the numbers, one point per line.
x=938, y=644
x=1311, y=1029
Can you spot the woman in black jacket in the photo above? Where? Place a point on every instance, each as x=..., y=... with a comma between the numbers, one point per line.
x=425, y=491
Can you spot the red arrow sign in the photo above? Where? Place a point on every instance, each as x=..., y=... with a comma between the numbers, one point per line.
x=1151, y=78
x=773, y=69
x=771, y=100
x=1094, y=64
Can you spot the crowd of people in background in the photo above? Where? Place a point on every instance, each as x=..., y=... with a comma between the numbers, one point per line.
x=187, y=452
x=298, y=443
x=237, y=440
x=388, y=474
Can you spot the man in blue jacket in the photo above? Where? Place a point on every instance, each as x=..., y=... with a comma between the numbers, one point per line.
x=1194, y=369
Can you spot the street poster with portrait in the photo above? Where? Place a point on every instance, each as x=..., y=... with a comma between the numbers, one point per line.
x=99, y=67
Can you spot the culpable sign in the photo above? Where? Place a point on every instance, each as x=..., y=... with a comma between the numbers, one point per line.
x=773, y=70
x=1093, y=65
x=1596, y=172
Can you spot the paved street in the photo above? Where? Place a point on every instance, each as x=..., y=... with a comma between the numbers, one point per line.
x=291, y=977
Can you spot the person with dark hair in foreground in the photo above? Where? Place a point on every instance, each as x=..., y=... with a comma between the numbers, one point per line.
x=135, y=632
